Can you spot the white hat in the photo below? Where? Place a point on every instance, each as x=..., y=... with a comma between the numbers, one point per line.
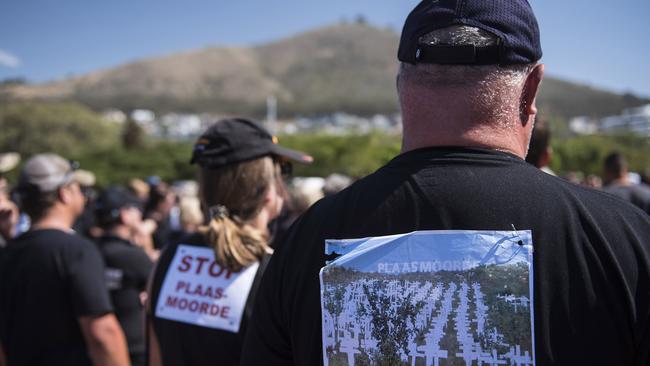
x=8, y=161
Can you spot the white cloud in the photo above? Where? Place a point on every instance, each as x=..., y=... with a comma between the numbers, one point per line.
x=9, y=60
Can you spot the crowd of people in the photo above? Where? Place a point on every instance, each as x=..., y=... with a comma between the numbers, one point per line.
x=225, y=270
x=616, y=178
x=94, y=249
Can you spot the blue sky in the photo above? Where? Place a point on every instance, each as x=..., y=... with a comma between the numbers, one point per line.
x=603, y=44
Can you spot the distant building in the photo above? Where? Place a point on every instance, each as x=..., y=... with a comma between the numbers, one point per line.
x=143, y=116
x=114, y=115
x=635, y=120
x=342, y=124
x=583, y=125
x=181, y=126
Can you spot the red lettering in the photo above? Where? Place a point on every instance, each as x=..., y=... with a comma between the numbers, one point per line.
x=224, y=312
x=197, y=291
x=204, y=308
x=171, y=301
x=194, y=306
x=214, y=273
x=186, y=263
x=182, y=304
x=218, y=293
x=181, y=285
x=214, y=309
x=201, y=260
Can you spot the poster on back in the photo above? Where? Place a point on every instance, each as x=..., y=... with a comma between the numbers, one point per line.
x=429, y=298
x=197, y=290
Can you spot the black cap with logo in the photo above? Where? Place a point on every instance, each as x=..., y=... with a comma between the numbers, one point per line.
x=512, y=21
x=235, y=140
x=112, y=200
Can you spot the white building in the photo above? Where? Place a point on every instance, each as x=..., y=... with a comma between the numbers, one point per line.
x=181, y=126
x=583, y=125
x=114, y=115
x=635, y=120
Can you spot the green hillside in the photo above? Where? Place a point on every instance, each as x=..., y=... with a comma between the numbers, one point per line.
x=346, y=67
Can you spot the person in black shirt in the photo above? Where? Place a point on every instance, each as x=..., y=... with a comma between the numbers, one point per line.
x=128, y=267
x=467, y=86
x=618, y=183
x=203, y=287
x=540, y=152
x=54, y=305
x=157, y=208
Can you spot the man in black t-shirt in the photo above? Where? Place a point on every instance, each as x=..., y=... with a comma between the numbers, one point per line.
x=54, y=306
x=540, y=152
x=618, y=183
x=467, y=86
x=119, y=214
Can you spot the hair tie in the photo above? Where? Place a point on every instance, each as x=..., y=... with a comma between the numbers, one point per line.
x=218, y=211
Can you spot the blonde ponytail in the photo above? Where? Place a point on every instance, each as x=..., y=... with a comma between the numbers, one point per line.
x=236, y=245
x=234, y=196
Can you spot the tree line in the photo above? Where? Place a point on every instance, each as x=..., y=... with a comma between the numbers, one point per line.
x=118, y=152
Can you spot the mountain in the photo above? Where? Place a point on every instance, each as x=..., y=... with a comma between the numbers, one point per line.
x=345, y=67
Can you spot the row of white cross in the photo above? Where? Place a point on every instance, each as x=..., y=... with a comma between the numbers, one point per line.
x=354, y=329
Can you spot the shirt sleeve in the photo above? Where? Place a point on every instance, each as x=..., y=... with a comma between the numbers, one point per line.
x=139, y=265
x=285, y=328
x=86, y=280
x=267, y=341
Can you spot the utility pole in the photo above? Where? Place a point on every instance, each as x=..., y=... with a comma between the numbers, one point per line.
x=272, y=114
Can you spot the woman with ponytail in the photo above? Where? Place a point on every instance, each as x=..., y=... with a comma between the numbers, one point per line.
x=203, y=288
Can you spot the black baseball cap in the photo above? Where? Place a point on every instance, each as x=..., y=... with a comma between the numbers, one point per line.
x=114, y=198
x=235, y=140
x=511, y=21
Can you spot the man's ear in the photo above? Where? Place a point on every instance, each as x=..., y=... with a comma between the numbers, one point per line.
x=63, y=193
x=123, y=215
x=531, y=87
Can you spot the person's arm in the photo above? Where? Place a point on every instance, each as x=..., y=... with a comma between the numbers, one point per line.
x=143, y=237
x=267, y=337
x=105, y=340
x=8, y=218
x=101, y=330
x=153, y=347
x=3, y=358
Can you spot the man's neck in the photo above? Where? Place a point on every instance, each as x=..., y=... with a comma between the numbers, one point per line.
x=55, y=218
x=52, y=223
x=449, y=129
x=501, y=142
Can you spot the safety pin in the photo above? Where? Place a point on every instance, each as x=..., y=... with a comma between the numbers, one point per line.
x=520, y=242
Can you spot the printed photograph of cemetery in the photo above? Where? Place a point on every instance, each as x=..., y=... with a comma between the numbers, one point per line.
x=468, y=317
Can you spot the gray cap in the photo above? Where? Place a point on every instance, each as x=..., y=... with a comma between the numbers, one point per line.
x=47, y=172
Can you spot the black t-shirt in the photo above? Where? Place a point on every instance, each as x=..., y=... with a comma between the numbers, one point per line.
x=163, y=234
x=127, y=270
x=591, y=254
x=638, y=195
x=49, y=278
x=188, y=344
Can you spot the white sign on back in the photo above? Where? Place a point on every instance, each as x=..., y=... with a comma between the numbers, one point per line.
x=197, y=290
